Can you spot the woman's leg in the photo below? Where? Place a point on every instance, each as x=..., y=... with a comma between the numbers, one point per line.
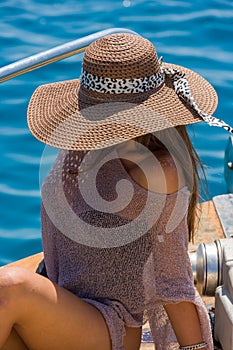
x=14, y=342
x=132, y=340
x=47, y=317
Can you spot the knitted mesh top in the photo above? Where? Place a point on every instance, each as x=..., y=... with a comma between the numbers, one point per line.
x=100, y=243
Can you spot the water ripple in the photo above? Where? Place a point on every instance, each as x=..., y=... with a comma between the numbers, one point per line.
x=24, y=233
x=23, y=158
x=4, y=189
x=206, y=52
x=10, y=131
x=205, y=14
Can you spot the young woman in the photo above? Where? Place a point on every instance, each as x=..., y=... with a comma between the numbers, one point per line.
x=118, y=208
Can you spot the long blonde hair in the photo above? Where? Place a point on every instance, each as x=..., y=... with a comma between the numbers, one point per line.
x=190, y=164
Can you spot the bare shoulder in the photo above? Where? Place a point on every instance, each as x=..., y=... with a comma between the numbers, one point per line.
x=171, y=171
x=159, y=172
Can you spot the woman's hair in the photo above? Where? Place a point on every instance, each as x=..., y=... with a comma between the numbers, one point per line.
x=176, y=141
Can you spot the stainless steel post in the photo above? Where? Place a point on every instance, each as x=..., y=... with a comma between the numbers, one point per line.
x=207, y=267
x=55, y=54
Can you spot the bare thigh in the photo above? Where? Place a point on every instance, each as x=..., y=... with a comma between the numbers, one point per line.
x=48, y=317
x=14, y=342
x=132, y=340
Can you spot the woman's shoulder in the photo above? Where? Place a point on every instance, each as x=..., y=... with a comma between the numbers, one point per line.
x=159, y=172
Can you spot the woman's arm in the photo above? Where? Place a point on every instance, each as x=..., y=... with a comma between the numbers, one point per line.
x=183, y=315
x=185, y=322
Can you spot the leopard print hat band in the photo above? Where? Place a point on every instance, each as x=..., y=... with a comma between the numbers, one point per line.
x=120, y=86
x=140, y=85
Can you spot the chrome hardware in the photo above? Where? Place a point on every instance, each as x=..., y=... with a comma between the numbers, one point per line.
x=207, y=267
x=55, y=54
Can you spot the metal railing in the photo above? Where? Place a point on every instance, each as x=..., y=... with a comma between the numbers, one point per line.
x=55, y=54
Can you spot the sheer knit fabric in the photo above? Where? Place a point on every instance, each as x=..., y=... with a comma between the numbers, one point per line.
x=127, y=279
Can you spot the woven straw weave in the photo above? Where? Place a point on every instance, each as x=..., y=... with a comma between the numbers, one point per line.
x=69, y=116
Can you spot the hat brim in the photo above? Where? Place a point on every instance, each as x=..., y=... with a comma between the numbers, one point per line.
x=55, y=117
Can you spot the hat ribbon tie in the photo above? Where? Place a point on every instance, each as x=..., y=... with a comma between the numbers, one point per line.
x=181, y=87
x=140, y=85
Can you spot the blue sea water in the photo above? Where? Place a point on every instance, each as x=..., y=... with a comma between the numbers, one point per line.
x=197, y=34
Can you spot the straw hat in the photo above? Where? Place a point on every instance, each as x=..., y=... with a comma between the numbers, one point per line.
x=124, y=91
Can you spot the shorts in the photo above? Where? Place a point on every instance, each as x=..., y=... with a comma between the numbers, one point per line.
x=116, y=317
